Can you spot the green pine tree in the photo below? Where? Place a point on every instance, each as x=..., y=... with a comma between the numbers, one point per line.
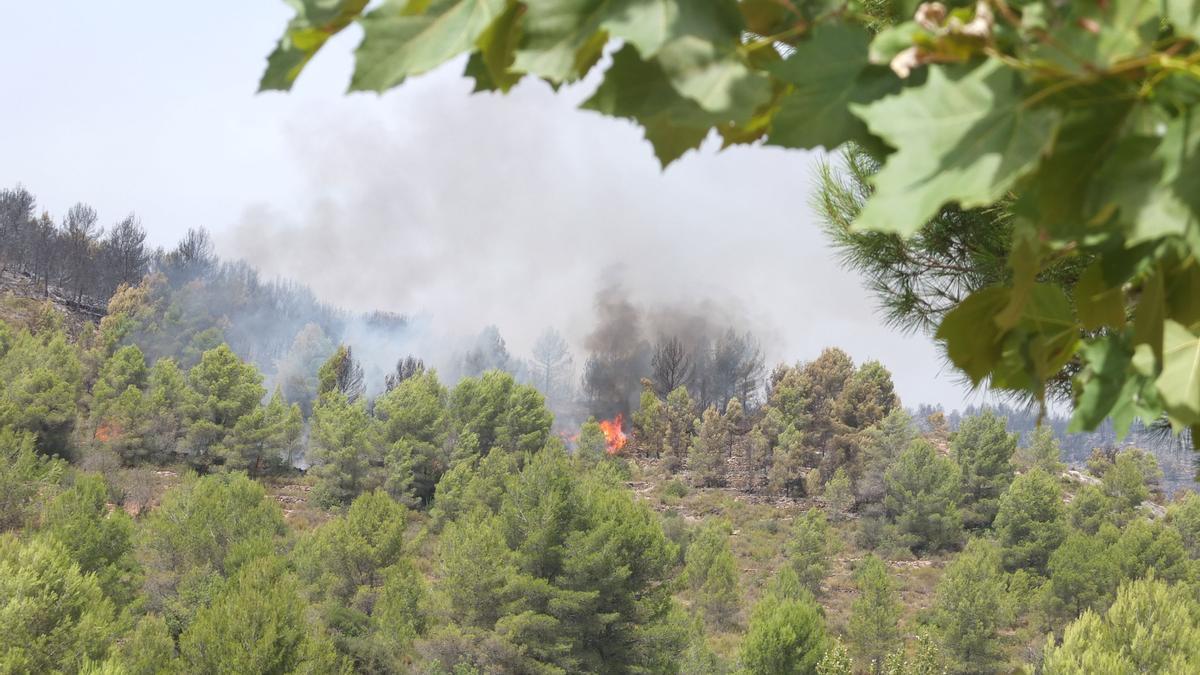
x=875, y=613
x=416, y=430
x=1042, y=452
x=53, y=616
x=265, y=440
x=679, y=428
x=711, y=573
x=969, y=608
x=922, y=498
x=784, y=636
x=810, y=549
x=983, y=449
x=706, y=456
x=1031, y=521
x=344, y=446
x=100, y=542
x=1151, y=628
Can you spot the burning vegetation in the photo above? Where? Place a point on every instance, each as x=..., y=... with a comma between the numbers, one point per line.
x=614, y=435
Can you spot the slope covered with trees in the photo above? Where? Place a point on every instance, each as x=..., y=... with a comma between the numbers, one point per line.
x=154, y=520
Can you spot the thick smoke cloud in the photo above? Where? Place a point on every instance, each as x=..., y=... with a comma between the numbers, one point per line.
x=517, y=211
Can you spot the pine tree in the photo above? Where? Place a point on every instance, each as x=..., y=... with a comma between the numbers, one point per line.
x=810, y=549
x=265, y=440
x=204, y=529
x=1184, y=516
x=225, y=389
x=101, y=543
x=255, y=625
x=592, y=444
x=1082, y=575
x=789, y=463
x=296, y=373
x=867, y=397
x=784, y=636
x=566, y=571
x=711, y=573
x=882, y=445
x=875, y=613
x=341, y=374
x=1042, y=452
x=679, y=428
x=922, y=498
x=126, y=427
x=735, y=419
x=969, y=608
x=401, y=611
x=497, y=413
x=650, y=423
x=346, y=557
x=839, y=494
x=1126, y=480
x=1151, y=628
x=1150, y=548
x=148, y=650
x=124, y=369
x=983, y=449
x=475, y=568
x=169, y=403
x=706, y=456
x=344, y=446
x=53, y=616
x=355, y=566
x=416, y=430
x=26, y=478
x=1031, y=521
x=1090, y=509
x=42, y=380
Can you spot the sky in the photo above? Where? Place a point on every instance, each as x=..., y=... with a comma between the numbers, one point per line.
x=466, y=209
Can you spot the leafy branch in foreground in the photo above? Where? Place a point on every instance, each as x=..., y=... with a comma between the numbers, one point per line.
x=1081, y=117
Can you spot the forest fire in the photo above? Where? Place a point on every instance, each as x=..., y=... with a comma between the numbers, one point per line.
x=107, y=432
x=614, y=434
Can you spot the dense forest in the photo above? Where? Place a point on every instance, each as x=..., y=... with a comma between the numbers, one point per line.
x=182, y=491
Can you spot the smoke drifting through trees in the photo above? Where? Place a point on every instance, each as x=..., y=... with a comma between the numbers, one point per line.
x=669, y=346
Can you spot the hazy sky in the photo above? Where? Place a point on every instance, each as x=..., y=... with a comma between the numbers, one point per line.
x=471, y=209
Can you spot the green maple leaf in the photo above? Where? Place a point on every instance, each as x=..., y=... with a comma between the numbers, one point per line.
x=828, y=72
x=491, y=65
x=1154, y=182
x=703, y=63
x=410, y=37
x=1057, y=202
x=1054, y=334
x=1185, y=16
x=969, y=331
x=315, y=22
x=1111, y=388
x=1093, y=36
x=1097, y=303
x=639, y=90
x=558, y=32
x=1150, y=313
x=1179, y=383
x=963, y=136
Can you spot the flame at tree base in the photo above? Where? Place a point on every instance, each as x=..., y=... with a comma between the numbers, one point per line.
x=107, y=432
x=613, y=434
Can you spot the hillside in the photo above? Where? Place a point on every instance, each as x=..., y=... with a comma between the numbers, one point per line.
x=23, y=301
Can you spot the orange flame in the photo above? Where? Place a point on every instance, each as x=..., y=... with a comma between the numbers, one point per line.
x=107, y=432
x=613, y=433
